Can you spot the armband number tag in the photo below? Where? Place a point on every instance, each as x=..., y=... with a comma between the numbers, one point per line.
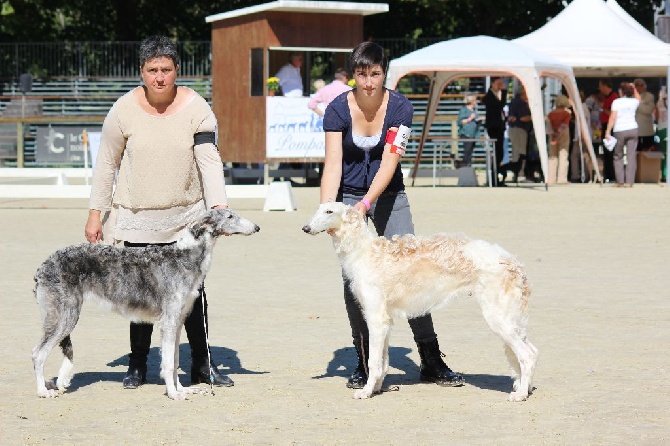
x=399, y=143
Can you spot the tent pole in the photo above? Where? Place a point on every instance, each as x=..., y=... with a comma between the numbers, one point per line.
x=424, y=130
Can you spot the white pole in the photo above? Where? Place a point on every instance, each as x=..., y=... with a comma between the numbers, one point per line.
x=85, y=142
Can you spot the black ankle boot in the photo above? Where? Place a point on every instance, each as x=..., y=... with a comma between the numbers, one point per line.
x=358, y=379
x=433, y=368
x=140, y=343
x=203, y=374
x=135, y=377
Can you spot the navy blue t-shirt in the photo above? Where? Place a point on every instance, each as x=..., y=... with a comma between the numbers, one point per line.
x=360, y=166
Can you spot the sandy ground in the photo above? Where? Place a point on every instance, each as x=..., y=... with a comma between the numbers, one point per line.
x=599, y=314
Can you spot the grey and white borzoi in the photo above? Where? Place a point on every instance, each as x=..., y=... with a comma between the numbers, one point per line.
x=410, y=276
x=143, y=284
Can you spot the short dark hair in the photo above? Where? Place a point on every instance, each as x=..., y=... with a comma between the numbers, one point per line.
x=628, y=90
x=367, y=54
x=158, y=46
x=606, y=81
x=341, y=74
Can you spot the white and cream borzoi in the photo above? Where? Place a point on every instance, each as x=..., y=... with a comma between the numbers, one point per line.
x=143, y=284
x=410, y=276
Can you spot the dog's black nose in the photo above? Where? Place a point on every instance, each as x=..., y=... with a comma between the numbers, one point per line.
x=307, y=229
x=257, y=228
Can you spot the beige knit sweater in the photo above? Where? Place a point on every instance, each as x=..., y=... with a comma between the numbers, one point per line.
x=162, y=178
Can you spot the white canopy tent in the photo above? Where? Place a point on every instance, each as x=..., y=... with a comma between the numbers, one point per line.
x=483, y=56
x=600, y=39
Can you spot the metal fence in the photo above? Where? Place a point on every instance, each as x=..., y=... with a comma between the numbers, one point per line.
x=120, y=59
x=92, y=59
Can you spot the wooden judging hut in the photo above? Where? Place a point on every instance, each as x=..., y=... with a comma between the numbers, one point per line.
x=249, y=45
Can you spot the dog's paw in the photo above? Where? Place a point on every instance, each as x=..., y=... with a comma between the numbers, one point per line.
x=177, y=396
x=177, y=393
x=518, y=396
x=362, y=394
x=48, y=390
x=47, y=393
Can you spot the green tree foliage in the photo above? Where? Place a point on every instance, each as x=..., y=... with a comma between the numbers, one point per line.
x=131, y=20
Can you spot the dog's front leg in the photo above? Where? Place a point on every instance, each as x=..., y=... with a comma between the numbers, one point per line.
x=169, y=357
x=378, y=329
x=175, y=374
x=385, y=359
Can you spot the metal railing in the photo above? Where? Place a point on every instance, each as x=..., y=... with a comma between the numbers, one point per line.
x=93, y=59
x=120, y=59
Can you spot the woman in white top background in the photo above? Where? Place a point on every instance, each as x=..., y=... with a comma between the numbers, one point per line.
x=623, y=127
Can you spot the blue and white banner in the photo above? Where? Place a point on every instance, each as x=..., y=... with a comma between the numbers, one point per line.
x=292, y=129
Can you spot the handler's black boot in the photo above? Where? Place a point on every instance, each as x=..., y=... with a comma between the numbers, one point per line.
x=203, y=374
x=433, y=368
x=140, y=343
x=202, y=370
x=359, y=377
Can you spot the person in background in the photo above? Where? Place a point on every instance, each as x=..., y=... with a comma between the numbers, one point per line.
x=495, y=101
x=520, y=123
x=318, y=84
x=559, y=141
x=580, y=163
x=290, y=78
x=161, y=138
x=623, y=126
x=609, y=95
x=467, y=127
x=290, y=81
x=644, y=116
x=662, y=127
x=362, y=169
x=323, y=96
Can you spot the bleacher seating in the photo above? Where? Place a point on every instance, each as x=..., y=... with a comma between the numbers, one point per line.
x=67, y=97
x=76, y=97
x=444, y=126
x=85, y=97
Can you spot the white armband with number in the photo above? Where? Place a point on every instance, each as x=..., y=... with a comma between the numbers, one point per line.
x=398, y=139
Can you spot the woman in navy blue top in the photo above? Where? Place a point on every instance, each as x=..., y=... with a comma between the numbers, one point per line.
x=363, y=170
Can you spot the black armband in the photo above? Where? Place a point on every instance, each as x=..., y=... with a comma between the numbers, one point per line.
x=204, y=138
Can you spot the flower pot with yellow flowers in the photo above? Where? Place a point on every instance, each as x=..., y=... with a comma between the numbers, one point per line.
x=273, y=86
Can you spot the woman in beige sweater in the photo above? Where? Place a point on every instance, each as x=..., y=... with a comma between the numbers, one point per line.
x=160, y=137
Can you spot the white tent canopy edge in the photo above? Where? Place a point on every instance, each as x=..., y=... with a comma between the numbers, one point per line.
x=614, y=45
x=489, y=56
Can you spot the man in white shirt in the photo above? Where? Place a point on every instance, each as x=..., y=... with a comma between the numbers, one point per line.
x=290, y=79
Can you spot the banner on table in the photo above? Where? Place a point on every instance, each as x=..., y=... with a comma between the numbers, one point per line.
x=292, y=129
x=61, y=144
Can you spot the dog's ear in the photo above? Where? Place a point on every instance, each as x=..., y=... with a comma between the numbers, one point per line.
x=352, y=217
x=205, y=224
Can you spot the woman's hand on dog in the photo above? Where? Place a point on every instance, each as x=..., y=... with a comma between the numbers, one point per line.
x=360, y=207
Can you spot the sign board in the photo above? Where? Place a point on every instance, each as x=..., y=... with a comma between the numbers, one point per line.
x=292, y=129
x=93, y=146
x=61, y=144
